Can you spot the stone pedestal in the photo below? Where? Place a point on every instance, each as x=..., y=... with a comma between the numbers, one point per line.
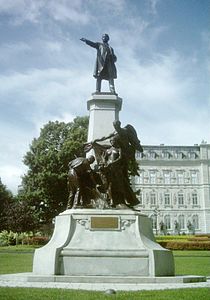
x=103, y=111
x=91, y=242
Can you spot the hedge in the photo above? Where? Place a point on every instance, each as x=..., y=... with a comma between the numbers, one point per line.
x=173, y=237
x=200, y=239
x=185, y=245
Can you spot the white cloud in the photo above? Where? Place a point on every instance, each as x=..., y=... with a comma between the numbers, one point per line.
x=22, y=10
x=15, y=142
x=66, y=11
x=11, y=176
x=11, y=51
x=161, y=102
x=33, y=11
x=49, y=77
x=153, y=6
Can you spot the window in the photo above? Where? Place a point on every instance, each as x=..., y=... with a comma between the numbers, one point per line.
x=140, y=197
x=167, y=178
x=154, y=221
x=166, y=155
x=139, y=154
x=194, y=178
x=152, y=177
x=167, y=198
x=141, y=178
x=194, y=199
x=195, y=221
x=153, y=199
x=181, y=199
x=192, y=155
x=152, y=154
x=180, y=178
x=137, y=179
x=179, y=155
x=167, y=221
x=181, y=221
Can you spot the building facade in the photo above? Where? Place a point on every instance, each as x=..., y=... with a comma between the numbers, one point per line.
x=174, y=187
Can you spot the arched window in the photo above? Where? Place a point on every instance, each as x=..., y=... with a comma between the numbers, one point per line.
x=195, y=221
x=192, y=155
x=166, y=155
x=181, y=220
x=167, y=221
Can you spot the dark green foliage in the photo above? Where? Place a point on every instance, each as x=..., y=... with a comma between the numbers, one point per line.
x=44, y=187
x=20, y=216
x=5, y=199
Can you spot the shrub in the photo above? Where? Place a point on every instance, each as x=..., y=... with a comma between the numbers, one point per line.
x=173, y=237
x=38, y=240
x=185, y=245
x=203, y=235
x=199, y=239
x=8, y=238
x=4, y=238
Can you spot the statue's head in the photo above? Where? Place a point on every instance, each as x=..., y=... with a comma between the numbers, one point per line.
x=105, y=37
x=91, y=159
x=117, y=124
x=115, y=141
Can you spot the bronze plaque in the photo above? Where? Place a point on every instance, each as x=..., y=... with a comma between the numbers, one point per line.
x=104, y=223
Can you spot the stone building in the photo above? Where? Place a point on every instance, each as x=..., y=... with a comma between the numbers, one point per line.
x=174, y=186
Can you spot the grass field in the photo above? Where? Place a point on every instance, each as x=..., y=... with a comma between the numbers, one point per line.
x=192, y=263
x=15, y=260
x=55, y=294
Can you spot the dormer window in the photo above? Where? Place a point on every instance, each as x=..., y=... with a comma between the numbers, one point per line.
x=192, y=155
x=166, y=155
x=152, y=154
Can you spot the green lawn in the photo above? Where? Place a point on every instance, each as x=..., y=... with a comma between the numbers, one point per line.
x=60, y=294
x=192, y=262
x=15, y=262
x=186, y=262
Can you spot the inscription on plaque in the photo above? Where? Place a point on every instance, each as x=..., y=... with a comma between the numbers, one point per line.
x=104, y=223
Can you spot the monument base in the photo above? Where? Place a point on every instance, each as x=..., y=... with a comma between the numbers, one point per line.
x=109, y=242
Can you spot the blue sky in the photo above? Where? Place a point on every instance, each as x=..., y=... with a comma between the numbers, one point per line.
x=163, y=67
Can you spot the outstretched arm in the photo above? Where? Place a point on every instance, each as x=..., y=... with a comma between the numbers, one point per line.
x=89, y=43
x=104, y=138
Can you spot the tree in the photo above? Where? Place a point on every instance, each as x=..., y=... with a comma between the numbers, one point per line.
x=45, y=184
x=20, y=216
x=5, y=199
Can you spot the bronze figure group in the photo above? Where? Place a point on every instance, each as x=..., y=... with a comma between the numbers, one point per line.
x=109, y=179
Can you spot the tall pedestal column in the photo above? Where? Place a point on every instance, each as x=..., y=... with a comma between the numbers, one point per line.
x=103, y=109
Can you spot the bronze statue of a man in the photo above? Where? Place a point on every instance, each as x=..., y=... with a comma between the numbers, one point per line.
x=105, y=63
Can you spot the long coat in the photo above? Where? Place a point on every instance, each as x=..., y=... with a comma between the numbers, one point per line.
x=105, y=61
